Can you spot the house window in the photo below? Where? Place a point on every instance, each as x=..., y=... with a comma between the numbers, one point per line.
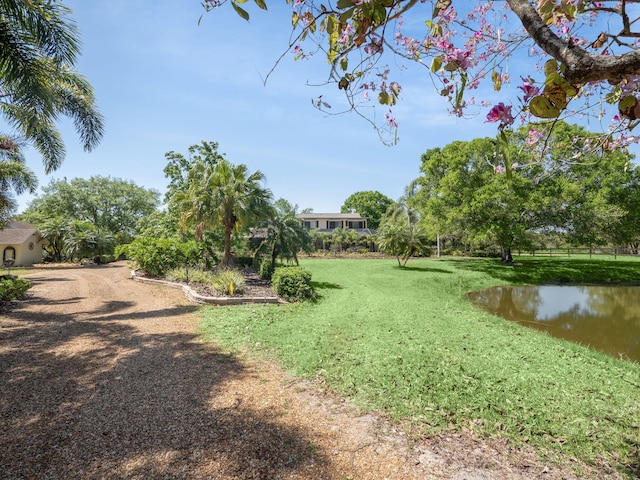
x=359, y=224
x=334, y=225
x=307, y=225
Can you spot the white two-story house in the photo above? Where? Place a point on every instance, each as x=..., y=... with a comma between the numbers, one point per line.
x=328, y=222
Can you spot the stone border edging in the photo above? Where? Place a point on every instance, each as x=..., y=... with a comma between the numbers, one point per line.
x=196, y=297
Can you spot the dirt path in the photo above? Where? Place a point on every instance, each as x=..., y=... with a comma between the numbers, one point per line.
x=104, y=377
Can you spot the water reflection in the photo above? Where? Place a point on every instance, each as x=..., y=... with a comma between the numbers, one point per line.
x=605, y=317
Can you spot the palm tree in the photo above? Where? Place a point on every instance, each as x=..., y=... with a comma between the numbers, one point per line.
x=223, y=194
x=285, y=236
x=53, y=230
x=404, y=210
x=15, y=177
x=85, y=240
x=38, y=47
x=338, y=236
x=403, y=240
x=400, y=233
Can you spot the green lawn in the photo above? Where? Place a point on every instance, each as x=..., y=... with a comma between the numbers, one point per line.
x=407, y=343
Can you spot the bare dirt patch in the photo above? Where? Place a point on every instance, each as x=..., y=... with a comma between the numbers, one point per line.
x=104, y=378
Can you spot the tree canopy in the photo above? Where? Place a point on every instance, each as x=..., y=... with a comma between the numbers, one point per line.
x=469, y=195
x=222, y=194
x=109, y=204
x=15, y=177
x=569, y=58
x=38, y=81
x=370, y=204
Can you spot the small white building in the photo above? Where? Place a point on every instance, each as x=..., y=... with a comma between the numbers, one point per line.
x=21, y=242
x=330, y=221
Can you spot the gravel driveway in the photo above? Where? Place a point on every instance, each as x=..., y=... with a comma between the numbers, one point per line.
x=102, y=377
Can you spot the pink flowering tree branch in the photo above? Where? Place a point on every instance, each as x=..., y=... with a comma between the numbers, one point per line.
x=583, y=55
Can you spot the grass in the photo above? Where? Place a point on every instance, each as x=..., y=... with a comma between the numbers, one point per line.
x=406, y=342
x=18, y=271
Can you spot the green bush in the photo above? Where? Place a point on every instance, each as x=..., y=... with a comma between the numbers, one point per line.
x=228, y=282
x=12, y=288
x=244, y=261
x=155, y=257
x=293, y=284
x=265, y=270
x=103, y=259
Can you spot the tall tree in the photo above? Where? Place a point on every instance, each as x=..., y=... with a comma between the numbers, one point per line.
x=370, y=204
x=627, y=198
x=487, y=192
x=178, y=166
x=38, y=84
x=177, y=172
x=110, y=204
x=405, y=210
x=467, y=193
x=222, y=194
x=15, y=177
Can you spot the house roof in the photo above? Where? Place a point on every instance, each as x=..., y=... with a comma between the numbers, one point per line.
x=16, y=232
x=339, y=216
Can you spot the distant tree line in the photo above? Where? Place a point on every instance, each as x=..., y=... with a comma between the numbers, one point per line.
x=487, y=196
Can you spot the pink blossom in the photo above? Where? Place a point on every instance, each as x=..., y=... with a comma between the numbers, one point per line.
x=375, y=46
x=449, y=15
x=443, y=44
x=533, y=137
x=458, y=110
x=529, y=89
x=460, y=58
x=345, y=34
x=473, y=83
x=500, y=113
x=390, y=120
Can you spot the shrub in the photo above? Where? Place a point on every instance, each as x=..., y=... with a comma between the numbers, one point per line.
x=189, y=275
x=156, y=257
x=104, y=259
x=228, y=282
x=12, y=288
x=244, y=261
x=122, y=251
x=265, y=270
x=293, y=284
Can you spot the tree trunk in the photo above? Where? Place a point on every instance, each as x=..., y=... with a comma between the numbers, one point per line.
x=226, y=260
x=505, y=254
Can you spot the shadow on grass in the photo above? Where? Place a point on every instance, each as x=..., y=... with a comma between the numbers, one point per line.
x=421, y=269
x=555, y=270
x=326, y=285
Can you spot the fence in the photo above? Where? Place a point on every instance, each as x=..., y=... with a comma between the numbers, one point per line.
x=568, y=252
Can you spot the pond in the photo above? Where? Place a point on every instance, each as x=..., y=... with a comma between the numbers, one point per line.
x=606, y=318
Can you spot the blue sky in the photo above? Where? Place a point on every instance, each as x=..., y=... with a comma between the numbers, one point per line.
x=163, y=82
